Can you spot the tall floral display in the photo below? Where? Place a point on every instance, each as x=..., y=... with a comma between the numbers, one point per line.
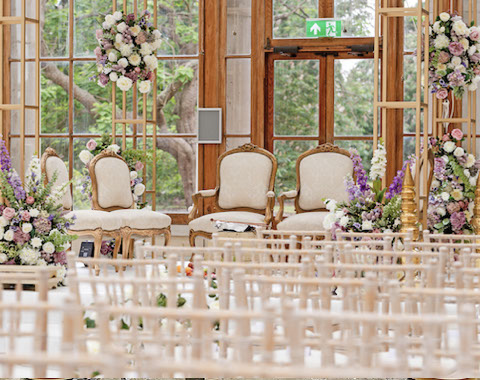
x=454, y=56
x=452, y=194
x=33, y=228
x=370, y=208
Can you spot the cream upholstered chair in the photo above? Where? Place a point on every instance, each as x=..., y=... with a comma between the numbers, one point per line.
x=244, y=191
x=98, y=224
x=320, y=174
x=111, y=192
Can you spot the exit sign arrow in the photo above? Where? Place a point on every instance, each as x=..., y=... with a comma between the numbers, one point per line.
x=315, y=29
x=323, y=27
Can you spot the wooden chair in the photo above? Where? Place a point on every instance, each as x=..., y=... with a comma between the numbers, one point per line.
x=320, y=174
x=111, y=192
x=244, y=192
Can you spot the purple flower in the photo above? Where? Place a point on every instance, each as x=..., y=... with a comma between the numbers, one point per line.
x=20, y=237
x=456, y=48
x=458, y=221
x=103, y=78
x=60, y=258
x=360, y=173
x=42, y=225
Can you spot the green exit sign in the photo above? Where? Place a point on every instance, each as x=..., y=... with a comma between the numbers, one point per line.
x=321, y=27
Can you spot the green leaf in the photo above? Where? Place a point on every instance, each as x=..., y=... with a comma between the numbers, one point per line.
x=90, y=323
x=181, y=301
x=162, y=300
x=123, y=325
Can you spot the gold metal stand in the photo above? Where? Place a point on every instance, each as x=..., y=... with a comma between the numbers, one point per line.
x=409, y=206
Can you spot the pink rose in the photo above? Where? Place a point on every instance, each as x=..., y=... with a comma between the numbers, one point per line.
x=445, y=138
x=139, y=166
x=91, y=144
x=457, y=134
x=8, y=213
x=443, y=57
x=137, y=69
x=30, y=200
x=476, y=70
x=475, y=35
x=456, y=48
x=99, y=33
x=475, y=58
x=25, y=216
x=98, y=51
x=442, y=94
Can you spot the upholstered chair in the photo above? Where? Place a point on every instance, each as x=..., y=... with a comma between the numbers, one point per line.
x=244, y=192
x=320, y=175
x=111, y=191
x=98, y=224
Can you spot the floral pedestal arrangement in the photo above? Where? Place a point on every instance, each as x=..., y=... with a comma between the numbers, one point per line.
x=33, y=228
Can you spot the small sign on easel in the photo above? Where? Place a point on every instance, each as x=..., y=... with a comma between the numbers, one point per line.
x=86, y=249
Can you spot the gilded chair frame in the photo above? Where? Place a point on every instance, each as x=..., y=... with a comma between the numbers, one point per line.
x=126, y=232
x=267, y=211
x=98, y=234
x=323, y=148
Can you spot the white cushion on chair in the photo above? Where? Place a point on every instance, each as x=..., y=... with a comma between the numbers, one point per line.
x=56, y=164
x=244, y=180
x=205, y=223
x=142, y=219
x=305, y=221
x=113, y=183
x=322, y=176
x=92, y=219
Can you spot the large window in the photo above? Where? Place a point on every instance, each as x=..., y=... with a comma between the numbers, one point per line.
x=75, y=109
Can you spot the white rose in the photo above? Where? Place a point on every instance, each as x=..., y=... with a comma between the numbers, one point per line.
x=48, y=247
x=472, y=50
x=135, y=30
x=8, y=236
x=441, y=211
x=449, y=146
x=339, y=214
x=467, y=173
x=2, y=232
x=445, y=158
x=113, y=77
x=331, y=204
x=146, y=49
x=124, y=83
x=460, y=28
x=435, y=184
x=107, y=69
x=145, y=86
x=135, y=59
x=61, y=271
x=113, y=148
x=470, y=161
x=119, y=38
x=156, y=33
x=110, y=20
x=4, y=222
x=123, y=62
x=34, y=212
x=151, y=61
x=442, y=29
x=36, y=242
x=117, y=15
x=464, y=43
x=139, y=189
x=133, y=175
x=344, y=221
x=456, y=61
x=126, y=50
x=122, y=27
x=105, y=25
x=436, y=27
x=27, y=228
x=461, y=68
x=442, y=41
x=444, y=16
x=459, y=152
x=472, y=87
x=367, y=225
x=85, y=156
x=112, y=56
x=329, y=221
x=445, y=196
x=156, y=44
x=3, y=258
x=99, y=68
x=472, y=181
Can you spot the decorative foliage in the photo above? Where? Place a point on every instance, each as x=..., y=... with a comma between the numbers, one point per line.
x=133, y=157
x=454, y=56
x=367, y=208
x=451, y=201
x=126, y=51
x=33, y=230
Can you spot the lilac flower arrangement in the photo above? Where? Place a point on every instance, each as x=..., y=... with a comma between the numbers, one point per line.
x=126, y=51
x=370, y=208
x=451, y=200
x=133, y=157
x=454, y=56
x=33, y=229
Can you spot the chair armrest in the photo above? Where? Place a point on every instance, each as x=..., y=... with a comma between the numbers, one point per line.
x=281, y=201
x=196, y=198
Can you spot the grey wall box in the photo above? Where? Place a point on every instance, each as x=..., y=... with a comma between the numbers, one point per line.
x=209, y=125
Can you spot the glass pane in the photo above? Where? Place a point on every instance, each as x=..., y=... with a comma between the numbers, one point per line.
x=59, y=144
x=358, y=17
x=15, y=152
x=408, y=146
x=296, y=97
x=92, y=107
x=54, y=98
x=178, y=86
x=410, y=37
x=409, y=117
x=238, y=96
x=364, y=149
x=289, y=17
x=409, y=77
x=353, y=80
x=239, y=26
x=178, y=24
x=55, y=29
x=80, y=199
x=89, y=15
x=234, y=142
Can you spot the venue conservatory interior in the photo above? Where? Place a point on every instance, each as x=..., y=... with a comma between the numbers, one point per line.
x=239, y=188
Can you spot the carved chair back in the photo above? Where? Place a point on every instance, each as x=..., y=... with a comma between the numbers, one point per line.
x=110, y=182
x=50, y=164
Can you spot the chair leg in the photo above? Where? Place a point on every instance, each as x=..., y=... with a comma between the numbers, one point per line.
x=118, y=242
x=130, y=248
x=126, y=234
x=97, y=243
x=168, y=235
x=191, y=238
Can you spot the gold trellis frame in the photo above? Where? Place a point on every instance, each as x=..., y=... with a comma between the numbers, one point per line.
x=134, y=121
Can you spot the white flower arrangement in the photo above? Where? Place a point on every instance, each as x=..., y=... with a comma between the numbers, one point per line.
x=126, y=50
x=379, y=162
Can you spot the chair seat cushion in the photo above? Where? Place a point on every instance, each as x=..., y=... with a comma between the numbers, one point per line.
x=87, y=220
x=305, y=221
x=142, y=219
x=205, y=223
